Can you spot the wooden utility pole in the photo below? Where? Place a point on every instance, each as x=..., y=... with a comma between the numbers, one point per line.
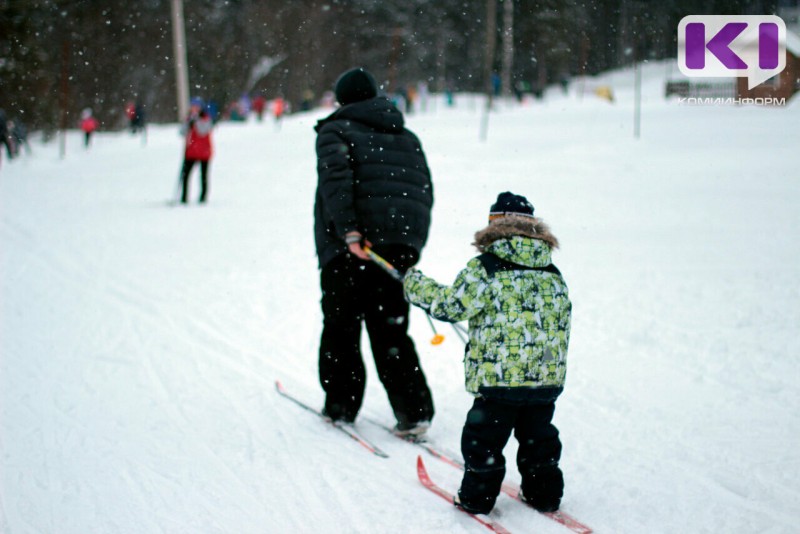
x=181, y=64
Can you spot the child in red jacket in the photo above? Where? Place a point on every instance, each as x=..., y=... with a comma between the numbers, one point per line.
x=198, y=149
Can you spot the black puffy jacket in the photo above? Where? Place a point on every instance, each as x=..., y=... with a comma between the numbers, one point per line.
x=373, y=177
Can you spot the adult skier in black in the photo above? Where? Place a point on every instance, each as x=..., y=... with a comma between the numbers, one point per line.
x=375, y=190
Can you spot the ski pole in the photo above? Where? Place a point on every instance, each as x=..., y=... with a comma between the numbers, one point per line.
x=460, y=332
x=383, y=264
x=176, y=197
x=394, y=273
x=437, y=337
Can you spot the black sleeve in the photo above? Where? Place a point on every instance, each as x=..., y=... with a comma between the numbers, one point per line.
x=335, y=183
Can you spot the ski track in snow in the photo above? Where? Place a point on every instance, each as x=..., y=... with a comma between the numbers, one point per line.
x=139, y=343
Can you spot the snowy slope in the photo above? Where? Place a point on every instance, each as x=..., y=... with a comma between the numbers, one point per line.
x=139, y=343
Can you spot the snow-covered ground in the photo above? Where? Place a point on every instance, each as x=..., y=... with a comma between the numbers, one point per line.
x=140, y=343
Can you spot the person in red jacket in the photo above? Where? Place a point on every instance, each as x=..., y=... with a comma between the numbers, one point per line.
x=88, y=125
x=198, y=149
x=278, y=109
x=259, y=104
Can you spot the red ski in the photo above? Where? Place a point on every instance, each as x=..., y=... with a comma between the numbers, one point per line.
x=422, y=473
x=512, y=490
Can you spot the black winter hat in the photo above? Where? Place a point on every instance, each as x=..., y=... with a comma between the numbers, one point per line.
x=510, y=204
x=355, y=85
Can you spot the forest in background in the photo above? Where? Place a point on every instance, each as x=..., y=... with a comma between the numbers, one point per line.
x=60, y=56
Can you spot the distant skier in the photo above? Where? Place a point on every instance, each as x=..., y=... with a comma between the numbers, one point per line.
x=19, y=135
x=259, y=105
x=5, y=135
x=138, y=119
x=278, y=109
x=88, y=125
x=130, y=113
x=198, y=148
x=307, y=102
x=519, y=315
x=374, y=186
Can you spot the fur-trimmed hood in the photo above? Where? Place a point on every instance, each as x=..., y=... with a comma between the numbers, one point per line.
x=513, y=225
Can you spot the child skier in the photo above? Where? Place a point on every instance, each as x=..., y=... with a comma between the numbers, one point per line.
x=519, y=315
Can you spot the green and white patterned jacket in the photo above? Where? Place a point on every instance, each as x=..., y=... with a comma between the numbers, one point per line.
x=518, y=309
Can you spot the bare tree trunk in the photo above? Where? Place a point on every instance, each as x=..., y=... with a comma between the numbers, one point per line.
x=584, y=64
x=397, y=35
x=441, y=63
x=508, y=45
x=491, y=37
x=64, y=100
x=622, y=34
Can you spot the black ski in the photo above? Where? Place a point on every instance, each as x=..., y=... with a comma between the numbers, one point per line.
x=345, y=428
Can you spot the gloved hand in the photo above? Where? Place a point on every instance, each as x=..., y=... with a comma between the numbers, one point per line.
x=355, y=243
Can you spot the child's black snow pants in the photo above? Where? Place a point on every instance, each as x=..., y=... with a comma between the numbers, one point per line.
x=486, y=432
x=354, y=291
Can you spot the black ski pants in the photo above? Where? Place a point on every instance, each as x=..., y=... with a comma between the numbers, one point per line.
x=186, y=170
x=487, y=430
x=356, y=291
